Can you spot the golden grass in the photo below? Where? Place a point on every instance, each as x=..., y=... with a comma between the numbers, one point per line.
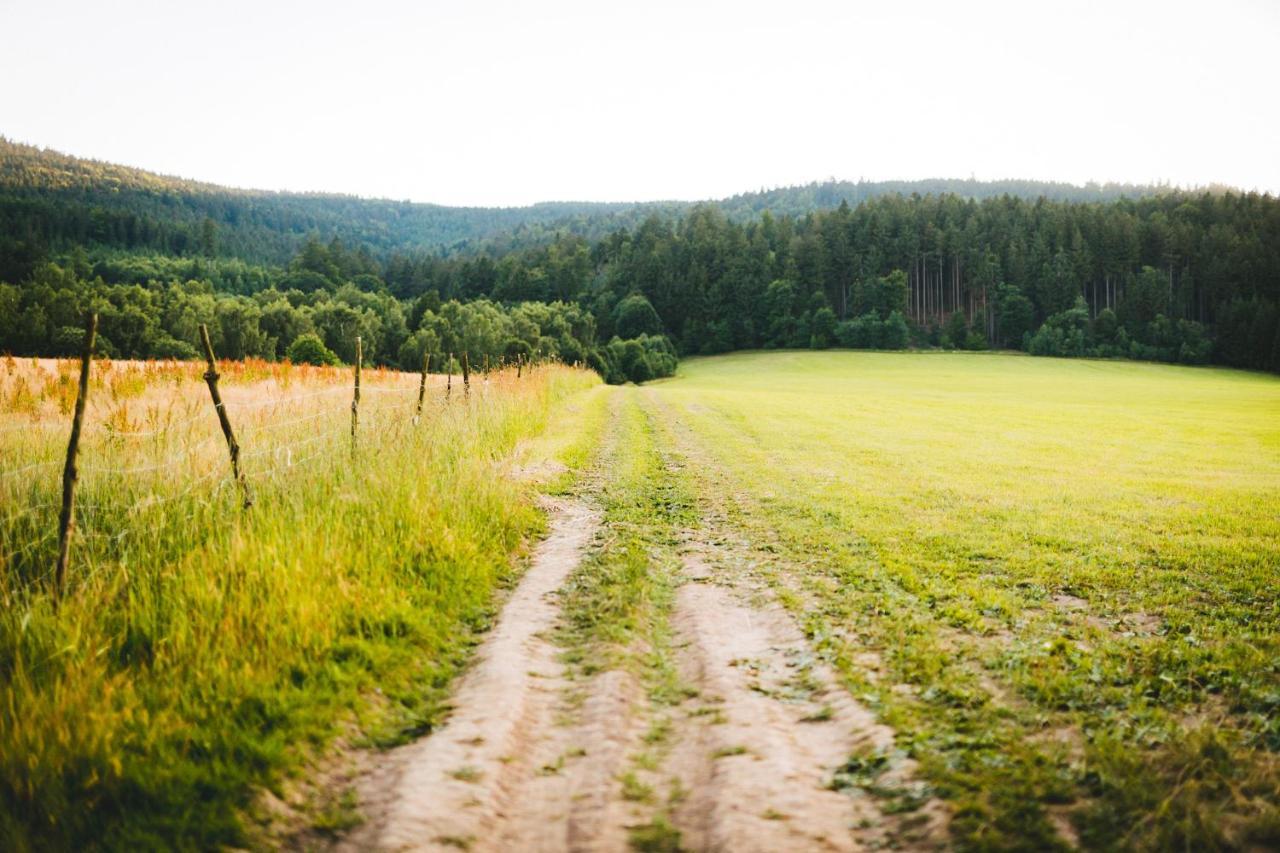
x=201, y=650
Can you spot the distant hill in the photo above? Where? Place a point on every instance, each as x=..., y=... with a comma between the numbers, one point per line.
x=827, y=195
x=50, y=202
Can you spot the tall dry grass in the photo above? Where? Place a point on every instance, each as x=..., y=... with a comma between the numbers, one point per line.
x=201, y=651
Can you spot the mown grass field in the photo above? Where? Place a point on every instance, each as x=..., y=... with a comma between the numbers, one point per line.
x=202, y=653
x=1059, y=581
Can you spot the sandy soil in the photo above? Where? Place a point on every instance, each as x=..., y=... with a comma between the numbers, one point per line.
x=758, y=767
x=770, y=726
x=532, y=760
x=502, y=768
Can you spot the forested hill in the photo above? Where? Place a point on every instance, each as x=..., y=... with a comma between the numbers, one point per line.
x=827, y=195
x=51, y=202
x=1164, y=275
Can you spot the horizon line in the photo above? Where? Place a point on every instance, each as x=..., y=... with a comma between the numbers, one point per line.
x=1161, y=184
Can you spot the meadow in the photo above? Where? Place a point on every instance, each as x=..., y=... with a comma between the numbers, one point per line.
x=203, y=654
x=1056, y=580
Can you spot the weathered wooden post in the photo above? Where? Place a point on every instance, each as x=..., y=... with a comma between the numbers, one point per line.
x=67, y=517
x=422, y=383
x=466, y=376
x=448, y=384
x=519, y=364
x=211, y=377
x=355, y=401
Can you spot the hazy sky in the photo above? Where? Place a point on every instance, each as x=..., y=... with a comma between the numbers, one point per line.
x=499, y=103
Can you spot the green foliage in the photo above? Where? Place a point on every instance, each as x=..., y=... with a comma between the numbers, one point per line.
x=711, y=277
x=638, y=359
x=1063, y=334
x=309, y=349
x=860, y=333
x=871, y=332
x=822, y=328
x=1145, y=298
x=1015, y=315
x=50, y=200
x=162, y=321
x=634, y=316
x=881, y=295
x=1072, y=334
x=167, y=347
x=955, y=331
x=894, y=332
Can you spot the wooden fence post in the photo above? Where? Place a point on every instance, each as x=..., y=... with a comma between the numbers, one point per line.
x=466, y=376
x=422, y=383
x=519, y=364
x=448, y=385
x=355, y=401
x=67, y=517
x=211, y=377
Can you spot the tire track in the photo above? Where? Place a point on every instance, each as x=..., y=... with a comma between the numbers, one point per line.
x=760, y=752
x=464, y=784
x=535, y=755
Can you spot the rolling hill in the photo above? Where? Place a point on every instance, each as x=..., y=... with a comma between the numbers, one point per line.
x=51, y=201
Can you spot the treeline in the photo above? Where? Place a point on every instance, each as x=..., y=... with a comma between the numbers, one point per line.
x=825, y=195
x=1178, y=277
x=1192, y=278
x=161, y=318
x=51, y=203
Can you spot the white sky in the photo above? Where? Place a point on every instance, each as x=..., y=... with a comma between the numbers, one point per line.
x=497, y=102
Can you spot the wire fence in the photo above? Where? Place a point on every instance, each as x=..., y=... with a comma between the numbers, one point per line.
x=127, y=487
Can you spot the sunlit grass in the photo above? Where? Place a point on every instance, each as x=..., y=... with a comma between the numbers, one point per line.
x=1058, y=580
x=200, y=650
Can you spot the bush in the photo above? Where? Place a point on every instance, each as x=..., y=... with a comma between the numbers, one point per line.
x=1063, y=334
x=895, y=333
x=1195, y=347
x=636, y=360
x=167, y=347
x=1055, y=340
x=634, y=317
x=859, y=333
x=870, y=332
x=68, y=341
x=309, y=349
x=416, y=346
x=822, y=329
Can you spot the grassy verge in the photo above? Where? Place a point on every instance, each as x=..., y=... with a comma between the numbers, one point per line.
x=203, y=652
x=1056, y=581
x=617, y=605
x=617, y=602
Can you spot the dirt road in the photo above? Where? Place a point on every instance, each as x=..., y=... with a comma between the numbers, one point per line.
x=545, y=754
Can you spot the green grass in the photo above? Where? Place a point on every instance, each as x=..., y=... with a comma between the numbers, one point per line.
x=202, y=653
x=1057, y=580
x=618, y=600
x=617, y=604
